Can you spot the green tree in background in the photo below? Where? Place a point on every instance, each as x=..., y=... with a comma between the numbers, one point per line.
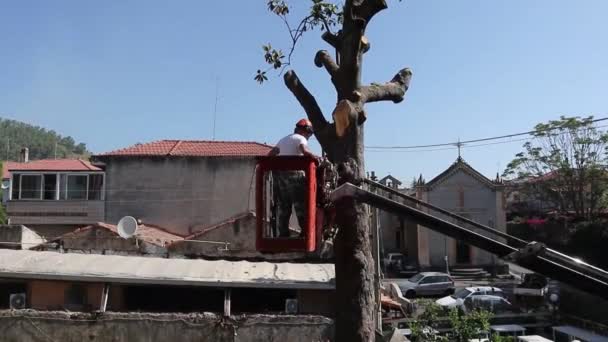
x=42, y=143
x=564, y=166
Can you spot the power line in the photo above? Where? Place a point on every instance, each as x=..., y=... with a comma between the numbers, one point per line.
x=471, y=141
x=455, y=146
x=462, y=146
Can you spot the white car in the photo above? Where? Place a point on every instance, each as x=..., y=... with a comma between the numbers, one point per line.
x=392, y=258
x=457, y=299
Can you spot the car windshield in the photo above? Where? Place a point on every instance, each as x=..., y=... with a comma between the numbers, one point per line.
x=416, y=278
x=461, y=294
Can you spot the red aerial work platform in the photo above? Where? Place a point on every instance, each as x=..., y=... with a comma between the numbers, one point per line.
x=265, y=241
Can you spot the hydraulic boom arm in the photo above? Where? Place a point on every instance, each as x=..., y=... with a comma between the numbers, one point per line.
x=532, y=256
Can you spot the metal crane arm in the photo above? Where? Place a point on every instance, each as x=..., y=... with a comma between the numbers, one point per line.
x=533, y=256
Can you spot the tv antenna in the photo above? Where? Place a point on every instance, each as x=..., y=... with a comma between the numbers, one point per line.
x=217, y=87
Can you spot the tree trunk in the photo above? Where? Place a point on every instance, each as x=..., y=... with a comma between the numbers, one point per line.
x=354, y=263
x=343, y=143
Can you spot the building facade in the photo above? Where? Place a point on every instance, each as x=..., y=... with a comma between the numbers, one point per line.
x=184, y=186
x=54, y=196
x=461, y=190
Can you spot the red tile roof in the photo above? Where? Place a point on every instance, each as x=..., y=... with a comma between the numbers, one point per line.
x=6, y=167
x=194, y=148
x=49, y=165
x=147, y=233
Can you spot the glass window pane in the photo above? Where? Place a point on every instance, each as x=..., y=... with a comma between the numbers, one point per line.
x=16, y=182
x=50, y=185
x=62, y=186
x=77, y=187
x=31, y=186
x=95, y=186
x=428, y=280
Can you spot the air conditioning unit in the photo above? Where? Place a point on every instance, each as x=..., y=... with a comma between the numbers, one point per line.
x=17, y=301
x=291, y=306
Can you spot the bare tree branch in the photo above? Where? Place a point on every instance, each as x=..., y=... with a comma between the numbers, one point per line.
x=331, y=39
x=393, y=90
x=323, y=59
x=366, y=9
x=309, y=103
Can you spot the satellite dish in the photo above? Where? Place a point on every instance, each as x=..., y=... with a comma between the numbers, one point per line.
x=127, y=226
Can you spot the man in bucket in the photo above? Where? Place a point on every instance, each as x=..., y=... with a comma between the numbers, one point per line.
x=289, y=187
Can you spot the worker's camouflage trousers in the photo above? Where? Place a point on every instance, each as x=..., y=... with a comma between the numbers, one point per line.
x=289, y=190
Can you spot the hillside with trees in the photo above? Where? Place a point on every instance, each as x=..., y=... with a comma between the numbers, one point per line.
x=42, y=143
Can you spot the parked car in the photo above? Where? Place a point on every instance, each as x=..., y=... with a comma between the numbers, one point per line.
x=391, y=258
x=532, y=285
x=457, y=299
x=493, y=304
x=426, y=284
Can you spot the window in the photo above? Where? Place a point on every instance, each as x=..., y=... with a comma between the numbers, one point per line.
x=16, y=186
x=77, y=187
x=50, y=187
x=62, y=186
x=429, y=280
x=53, y=186
x=462, y=293
x=95, y=187
x=416, y=278
x=31, y=187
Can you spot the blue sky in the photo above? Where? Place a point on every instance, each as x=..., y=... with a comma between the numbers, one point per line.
x=114, y=73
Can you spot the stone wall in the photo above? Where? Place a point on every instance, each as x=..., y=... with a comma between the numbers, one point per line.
x=35, y=326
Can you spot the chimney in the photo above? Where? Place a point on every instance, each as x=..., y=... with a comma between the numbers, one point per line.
x=25, y=155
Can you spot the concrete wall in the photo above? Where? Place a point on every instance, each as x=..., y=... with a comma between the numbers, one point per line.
x=36, y=326
x=392, y=227
x=18, y=237
x=181, y=194
x=240, y=233
x=55, y=212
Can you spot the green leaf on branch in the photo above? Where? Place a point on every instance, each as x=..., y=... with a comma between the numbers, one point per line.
x=260, y=76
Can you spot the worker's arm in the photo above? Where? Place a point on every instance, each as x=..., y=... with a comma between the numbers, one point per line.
x=307, y=152
x=275, y=151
